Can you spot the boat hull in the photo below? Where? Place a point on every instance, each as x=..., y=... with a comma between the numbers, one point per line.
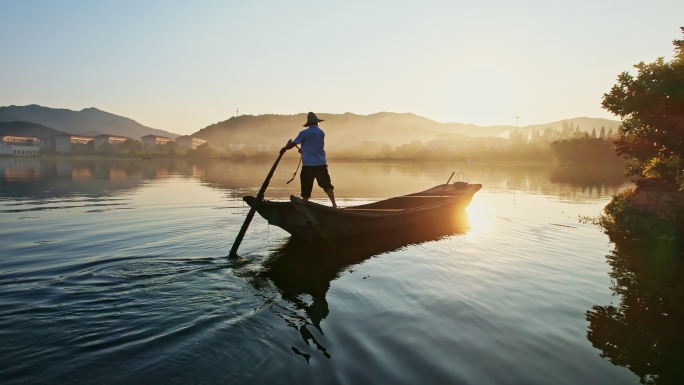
x=314, y=221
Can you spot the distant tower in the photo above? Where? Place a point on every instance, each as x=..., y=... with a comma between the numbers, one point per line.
x=237, y=112
x=516, y=121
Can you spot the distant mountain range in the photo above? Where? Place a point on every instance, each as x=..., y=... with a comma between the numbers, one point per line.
x=342, y=130
x=29, y=129
x=348, y=130
x=88, y=121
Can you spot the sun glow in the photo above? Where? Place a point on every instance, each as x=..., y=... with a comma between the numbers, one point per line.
x=477, y=217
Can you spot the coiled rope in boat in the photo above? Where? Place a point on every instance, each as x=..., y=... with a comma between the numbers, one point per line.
x=299, y=164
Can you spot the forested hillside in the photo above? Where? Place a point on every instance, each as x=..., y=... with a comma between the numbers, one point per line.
x=348, y=130
x=89, y=121
x=29, y=129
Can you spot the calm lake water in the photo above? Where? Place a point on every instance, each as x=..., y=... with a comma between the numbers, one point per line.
x=115, y=272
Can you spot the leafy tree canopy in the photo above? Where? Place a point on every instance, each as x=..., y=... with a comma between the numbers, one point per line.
x=651, y=106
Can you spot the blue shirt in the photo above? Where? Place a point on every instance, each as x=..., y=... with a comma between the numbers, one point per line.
x=312, y=140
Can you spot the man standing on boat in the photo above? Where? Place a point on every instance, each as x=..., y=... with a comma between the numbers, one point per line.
x=314, y=164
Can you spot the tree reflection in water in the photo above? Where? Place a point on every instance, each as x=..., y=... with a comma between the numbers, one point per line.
x=295, y=278
x=645, y=332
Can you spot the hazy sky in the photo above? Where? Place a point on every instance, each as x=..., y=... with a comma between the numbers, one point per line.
x=180, y=66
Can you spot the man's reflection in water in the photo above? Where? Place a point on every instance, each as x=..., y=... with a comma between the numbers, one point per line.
x=645, y=332
x=301, y=272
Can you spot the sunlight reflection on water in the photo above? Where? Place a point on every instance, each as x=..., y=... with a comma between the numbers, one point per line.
x=478, y=217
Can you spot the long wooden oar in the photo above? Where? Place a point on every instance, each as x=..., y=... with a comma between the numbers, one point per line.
x=250, y=215
x=447, y=183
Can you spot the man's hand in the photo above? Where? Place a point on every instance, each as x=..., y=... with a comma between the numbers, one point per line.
x=288, y=146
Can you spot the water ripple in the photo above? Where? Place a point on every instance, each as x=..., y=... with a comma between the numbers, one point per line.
x=142, y=291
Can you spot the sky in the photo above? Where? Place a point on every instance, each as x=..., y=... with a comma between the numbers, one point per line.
x=180, y=65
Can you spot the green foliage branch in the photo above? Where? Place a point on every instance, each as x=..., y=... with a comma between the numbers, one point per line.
x=651, y=106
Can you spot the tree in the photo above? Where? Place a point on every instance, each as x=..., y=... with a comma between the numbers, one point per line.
x=169, y=147
x=130, y=146
x=202, y=151
x=593, y=133
x=602, y=135
x=651, y=107
x=588, y=151
x=106, y=148
x=410, y=150
x=386, y=151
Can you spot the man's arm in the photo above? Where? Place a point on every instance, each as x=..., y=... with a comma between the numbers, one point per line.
x=290, y=144
x=293, y=143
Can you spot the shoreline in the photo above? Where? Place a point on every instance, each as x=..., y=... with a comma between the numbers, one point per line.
x=267, y=159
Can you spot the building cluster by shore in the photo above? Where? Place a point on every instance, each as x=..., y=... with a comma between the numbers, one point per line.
x=67, y=143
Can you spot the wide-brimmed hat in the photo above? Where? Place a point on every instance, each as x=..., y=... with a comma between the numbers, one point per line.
x=312, y=119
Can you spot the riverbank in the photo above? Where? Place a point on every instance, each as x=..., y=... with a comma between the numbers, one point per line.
x=270, y=156
x=651, y=212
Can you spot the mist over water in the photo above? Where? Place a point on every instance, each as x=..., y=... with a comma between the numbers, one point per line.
x=115, y=271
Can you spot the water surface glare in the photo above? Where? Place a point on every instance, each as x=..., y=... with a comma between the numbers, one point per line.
x=115, y=272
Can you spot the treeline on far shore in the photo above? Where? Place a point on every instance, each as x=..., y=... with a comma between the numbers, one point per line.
x=576, y=150
x=584, y=149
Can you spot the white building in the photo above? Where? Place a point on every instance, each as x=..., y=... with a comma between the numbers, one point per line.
x=47, y=143
x=114, y=141
x=152, y=141
x=263, y=147
x=188, y=141
x=65, y=144
x=19, y=146
x=235, y=146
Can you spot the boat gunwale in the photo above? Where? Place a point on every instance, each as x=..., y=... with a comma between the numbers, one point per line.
x=299, y=203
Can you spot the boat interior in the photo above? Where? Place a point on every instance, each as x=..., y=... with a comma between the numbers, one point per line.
x=428, y=197
x=399, y=203
x=435, y=195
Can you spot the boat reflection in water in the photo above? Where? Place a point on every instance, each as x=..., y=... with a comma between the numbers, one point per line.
x=644, y=333
x=300, y=272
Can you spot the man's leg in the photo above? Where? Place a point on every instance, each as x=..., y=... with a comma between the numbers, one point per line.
x=331, y=195
x=306, y=177
x=323, y=179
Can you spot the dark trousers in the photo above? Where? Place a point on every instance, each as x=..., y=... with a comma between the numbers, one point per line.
x=309, y=173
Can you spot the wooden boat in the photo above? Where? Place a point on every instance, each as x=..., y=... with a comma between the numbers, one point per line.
x=312, y=221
